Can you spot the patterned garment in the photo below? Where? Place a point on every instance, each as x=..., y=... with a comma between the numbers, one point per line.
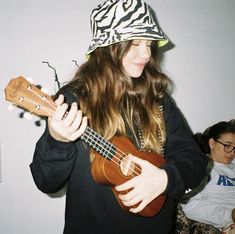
x=185, y=225
x=120, y=20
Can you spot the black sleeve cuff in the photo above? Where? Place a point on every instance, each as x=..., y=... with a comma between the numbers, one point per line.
x=58, y=145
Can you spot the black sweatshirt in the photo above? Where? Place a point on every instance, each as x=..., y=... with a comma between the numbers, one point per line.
x=92, y=208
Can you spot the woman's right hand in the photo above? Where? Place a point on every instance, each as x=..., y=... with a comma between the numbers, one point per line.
x=66, y=126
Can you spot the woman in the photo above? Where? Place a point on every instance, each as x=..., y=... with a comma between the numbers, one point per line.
x=122, y=92
x=215, y=203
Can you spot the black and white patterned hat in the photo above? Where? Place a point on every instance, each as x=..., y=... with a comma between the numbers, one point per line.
x=122, y=20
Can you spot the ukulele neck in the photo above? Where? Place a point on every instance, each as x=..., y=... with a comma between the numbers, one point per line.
x=98, y=143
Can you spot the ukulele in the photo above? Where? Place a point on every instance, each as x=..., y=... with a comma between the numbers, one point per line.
x=110, y=165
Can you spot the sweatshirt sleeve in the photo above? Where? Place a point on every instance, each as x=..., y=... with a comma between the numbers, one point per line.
x=186, y=163
x=53, y=160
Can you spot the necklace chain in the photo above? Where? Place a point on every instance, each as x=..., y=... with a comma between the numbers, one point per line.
x=140, y=135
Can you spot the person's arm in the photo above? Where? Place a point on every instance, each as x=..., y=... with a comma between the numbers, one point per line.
x=52, y=163
x=186, y=163
x=185, y=167
x=206, y=211
x=53, y=159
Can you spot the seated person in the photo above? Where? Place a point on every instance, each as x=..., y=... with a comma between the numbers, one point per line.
x=214, y=202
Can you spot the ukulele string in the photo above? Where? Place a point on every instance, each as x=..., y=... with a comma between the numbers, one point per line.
x=43, y=97
x=37, y=107
x=114, y=153
x=116, y=160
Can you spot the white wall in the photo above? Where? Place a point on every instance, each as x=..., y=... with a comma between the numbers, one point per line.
x=58, y=31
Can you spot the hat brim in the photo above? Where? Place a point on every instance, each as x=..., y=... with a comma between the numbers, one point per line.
x=160, y=41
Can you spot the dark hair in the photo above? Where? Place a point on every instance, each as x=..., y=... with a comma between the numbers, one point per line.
x=215, y=131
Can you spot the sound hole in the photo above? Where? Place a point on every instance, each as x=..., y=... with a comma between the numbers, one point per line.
x=128, y=168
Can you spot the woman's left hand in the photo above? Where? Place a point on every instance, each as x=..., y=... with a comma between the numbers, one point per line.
x=145, y=187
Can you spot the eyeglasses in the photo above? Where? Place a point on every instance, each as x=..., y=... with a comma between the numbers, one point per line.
x=227, y=148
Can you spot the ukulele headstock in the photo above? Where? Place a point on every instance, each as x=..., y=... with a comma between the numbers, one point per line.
x=22, y=93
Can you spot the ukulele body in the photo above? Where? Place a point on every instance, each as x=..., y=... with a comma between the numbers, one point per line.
x=110, y=172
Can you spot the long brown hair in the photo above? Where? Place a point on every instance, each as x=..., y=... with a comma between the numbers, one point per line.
x=112, y=101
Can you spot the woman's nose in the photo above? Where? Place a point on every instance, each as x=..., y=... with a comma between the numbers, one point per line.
x=145, y=51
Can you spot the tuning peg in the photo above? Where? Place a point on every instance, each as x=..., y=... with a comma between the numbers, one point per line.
x=27, y=115
x=29, y=79
x=11, y=107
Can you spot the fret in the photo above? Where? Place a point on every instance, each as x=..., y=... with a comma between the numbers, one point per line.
x=98, y=143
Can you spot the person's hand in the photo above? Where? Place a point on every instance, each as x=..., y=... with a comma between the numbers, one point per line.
x=233, y=215
x=66, y=126
x=145, y=187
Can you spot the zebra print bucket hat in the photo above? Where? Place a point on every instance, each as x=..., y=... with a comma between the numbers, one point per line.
x=121, y=20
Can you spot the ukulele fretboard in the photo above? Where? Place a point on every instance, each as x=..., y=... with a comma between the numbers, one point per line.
x=98, y=143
